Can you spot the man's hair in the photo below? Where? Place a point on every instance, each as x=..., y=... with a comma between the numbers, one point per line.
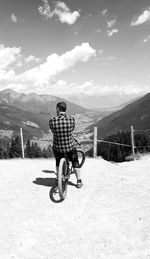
x=61, y=106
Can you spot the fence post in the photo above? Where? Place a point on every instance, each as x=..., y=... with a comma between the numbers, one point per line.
x=132, y=141
x=21, y=134
x=95, y=143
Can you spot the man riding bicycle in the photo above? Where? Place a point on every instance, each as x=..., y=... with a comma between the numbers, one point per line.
x=62, y=127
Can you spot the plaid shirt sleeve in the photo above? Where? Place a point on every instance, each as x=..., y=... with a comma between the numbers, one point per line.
x=73, y=123
x=51, y=125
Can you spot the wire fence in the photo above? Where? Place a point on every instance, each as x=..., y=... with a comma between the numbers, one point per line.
x=134, y=148
x=137, y=131
x=93, y=142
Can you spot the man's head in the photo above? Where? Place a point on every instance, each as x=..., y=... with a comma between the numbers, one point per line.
x=61, y=107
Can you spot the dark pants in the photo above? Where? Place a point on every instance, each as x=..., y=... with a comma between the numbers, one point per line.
x=72, y=156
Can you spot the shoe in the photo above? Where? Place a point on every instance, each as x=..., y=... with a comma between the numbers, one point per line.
x=79, y=183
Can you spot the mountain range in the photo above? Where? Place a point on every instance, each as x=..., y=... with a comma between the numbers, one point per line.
x=136, y=113
x=99, y=102
x=30, y=112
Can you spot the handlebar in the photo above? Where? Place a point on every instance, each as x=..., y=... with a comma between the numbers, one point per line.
x=77, y=141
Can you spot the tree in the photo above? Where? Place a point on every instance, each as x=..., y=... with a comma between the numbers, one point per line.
x=35, y=150
x=15, y=148
x=48, y=152
x=28, y=150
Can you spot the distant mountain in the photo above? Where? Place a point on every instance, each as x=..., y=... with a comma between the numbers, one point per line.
x=33, y=102
x=122, y=105
x=30, y=111
x=97, y=101
x=136, y=113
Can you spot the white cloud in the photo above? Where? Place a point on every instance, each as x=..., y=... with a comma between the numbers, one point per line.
x=147, y=39
x=111, y=23
x=8, y=56
x=91, y=89
x=61, y=10
x=31, y=58
x=66, y=16
x=104, y=12
x=14, y=18
x=62, y=6
x=41, y=76
x=144, y=17
x=56, y=64
x=6, y=76
x=45, y=9
x=111, y=32
x=61, y=83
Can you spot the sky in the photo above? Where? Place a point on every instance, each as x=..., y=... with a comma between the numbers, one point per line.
x=98, y=50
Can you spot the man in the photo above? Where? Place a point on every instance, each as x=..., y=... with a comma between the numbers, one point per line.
x=62, y=127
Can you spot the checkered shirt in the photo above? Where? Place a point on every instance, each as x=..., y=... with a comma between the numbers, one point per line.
x=62, y=128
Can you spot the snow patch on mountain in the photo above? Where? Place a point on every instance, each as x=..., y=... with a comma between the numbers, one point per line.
x=30, y=123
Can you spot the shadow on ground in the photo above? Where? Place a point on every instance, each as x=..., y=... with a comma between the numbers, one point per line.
x=45, y=181
x=49, y=171
x=51, y=182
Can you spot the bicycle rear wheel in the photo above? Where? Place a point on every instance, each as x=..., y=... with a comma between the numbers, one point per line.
x=81, y=157
x=62, y=178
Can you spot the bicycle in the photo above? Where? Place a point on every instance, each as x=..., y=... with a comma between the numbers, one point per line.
x=66, y=169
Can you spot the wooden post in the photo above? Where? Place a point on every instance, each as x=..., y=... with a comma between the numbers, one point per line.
x=95, y=143
x=132, y=141
x=21, y=134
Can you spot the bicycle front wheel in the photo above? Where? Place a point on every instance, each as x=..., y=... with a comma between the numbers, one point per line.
x=62, y=178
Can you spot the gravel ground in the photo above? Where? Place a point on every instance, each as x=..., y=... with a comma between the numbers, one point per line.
x=109, y=218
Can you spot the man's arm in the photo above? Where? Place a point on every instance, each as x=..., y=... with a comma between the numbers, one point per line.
x=51, y=125
x=72, y=123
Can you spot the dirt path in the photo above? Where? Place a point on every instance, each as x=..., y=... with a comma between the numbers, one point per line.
x=108, y=218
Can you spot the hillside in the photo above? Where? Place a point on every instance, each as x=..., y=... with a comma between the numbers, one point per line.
x=136, y=113
x=108, y=218
x=30, y=111
x=44, y=104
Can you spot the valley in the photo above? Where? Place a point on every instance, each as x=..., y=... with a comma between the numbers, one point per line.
x=32, y=112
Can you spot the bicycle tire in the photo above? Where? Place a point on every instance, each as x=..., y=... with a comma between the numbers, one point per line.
x=62, y=181
x=81, y=157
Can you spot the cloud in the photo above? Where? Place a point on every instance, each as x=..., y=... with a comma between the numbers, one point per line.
x=104, y=12
x=8, y=56
x=43, y=75
x=14, y=18
x=56, y=64
x=31, y=58
x=61, y=10
x=144, y=17
x=64, y=14
x=111, y=32
x=45, y=9
x=111, y=23
x=91, y=89
x=6, y=76
x=147, y=39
